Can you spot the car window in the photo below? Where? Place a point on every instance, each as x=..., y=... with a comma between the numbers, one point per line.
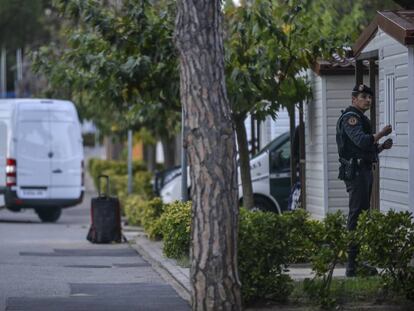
x=280, y=158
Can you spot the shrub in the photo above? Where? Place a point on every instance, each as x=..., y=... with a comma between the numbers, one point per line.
x=176, y=223
x=117, y=172
x=387, y=242
x=302, y=232
x=141, y=212
x=263, y=255
x=141, y=184
x=150, y=220
x=98, y=167
x=331, y=241
x=133, y=207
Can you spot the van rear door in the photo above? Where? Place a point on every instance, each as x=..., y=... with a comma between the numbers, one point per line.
x=33, y=152
x=280, y=173
x=67, y=155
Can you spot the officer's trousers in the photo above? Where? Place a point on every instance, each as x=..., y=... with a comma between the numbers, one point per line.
x=359, y=190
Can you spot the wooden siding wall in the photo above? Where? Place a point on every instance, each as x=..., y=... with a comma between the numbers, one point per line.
x=281, y=125
x=325, y=192
x=394, y=164
x=338, y=97
x=315, y=157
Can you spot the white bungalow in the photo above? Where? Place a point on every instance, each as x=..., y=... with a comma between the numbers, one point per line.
x=389, y=39
x=385, y=52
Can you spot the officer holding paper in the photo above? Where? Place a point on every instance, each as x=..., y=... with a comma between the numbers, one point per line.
x=358, y=148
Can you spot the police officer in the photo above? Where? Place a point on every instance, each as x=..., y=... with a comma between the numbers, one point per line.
x=358, y=148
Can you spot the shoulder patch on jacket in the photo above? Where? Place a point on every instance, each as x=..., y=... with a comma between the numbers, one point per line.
x=352, y=121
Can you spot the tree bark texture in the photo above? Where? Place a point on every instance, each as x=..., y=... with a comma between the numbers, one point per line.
x=246, y=178
x=210, y=141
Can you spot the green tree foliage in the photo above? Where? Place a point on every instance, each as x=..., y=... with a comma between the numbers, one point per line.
x=22, y=23
x=119, y=64
x=269, y=45
x=343, y=21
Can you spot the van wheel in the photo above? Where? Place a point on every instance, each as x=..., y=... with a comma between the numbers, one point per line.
x=49, y=214
x=264, y=204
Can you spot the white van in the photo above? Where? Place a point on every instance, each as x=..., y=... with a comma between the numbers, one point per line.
x=41, y=156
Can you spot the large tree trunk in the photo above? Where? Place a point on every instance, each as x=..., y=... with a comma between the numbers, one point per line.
x=246, y=178
x=210, y=141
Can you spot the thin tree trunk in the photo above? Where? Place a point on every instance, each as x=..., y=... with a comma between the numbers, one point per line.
x=252, y=135
x=210, y=140
x=292, y=126
x=149, y=156
x=246, y=178
x=169, y=150
x=114, y=147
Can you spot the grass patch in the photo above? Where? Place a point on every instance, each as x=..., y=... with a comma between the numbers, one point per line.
x=184, y=262
x=346, y=290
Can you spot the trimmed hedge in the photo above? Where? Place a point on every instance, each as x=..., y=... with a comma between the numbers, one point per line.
x=117, y=172
x=151, y=214
x=133, y=208
x=145, y=213
x=176, y=229
x=269, y=242
x=263, y=253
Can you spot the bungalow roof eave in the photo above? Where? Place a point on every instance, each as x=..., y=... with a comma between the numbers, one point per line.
x=391, y=22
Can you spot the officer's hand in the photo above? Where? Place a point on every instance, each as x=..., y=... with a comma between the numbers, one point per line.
x=387, y=144
x=386, y=130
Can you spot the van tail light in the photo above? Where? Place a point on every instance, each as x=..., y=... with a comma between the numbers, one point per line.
x=11, y=172
x=83, y=173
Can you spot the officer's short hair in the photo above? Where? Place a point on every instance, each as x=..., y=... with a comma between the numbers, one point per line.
x=361, y=88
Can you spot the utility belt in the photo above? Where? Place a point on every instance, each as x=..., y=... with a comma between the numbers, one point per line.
x=349, y=169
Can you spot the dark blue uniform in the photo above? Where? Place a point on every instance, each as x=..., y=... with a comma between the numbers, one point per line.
x=356, y=144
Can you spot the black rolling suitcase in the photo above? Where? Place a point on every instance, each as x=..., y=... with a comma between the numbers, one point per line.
x=105, y=217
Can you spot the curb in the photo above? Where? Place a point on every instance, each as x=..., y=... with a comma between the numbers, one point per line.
x=151, y=251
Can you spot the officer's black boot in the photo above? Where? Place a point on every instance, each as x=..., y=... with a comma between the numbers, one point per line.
x=351, y=265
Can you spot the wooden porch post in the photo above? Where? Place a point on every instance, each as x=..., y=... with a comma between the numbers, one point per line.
x=258, y=146
x=302, y=156
x=252, y=135
x=375, y=199
x=359, y=72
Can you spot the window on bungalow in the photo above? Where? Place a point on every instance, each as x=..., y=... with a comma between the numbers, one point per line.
x=389, y=107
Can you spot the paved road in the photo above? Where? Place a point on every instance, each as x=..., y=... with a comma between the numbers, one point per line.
x=53, y=267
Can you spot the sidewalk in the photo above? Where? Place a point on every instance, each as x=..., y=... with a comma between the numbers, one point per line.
x=180, y=277
x=151, y=251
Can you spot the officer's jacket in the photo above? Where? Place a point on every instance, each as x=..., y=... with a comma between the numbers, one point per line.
x=354, y=136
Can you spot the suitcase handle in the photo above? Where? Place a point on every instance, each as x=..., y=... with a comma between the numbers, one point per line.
x=99, y=185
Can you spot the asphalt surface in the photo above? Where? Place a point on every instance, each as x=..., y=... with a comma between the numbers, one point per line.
x=54, y=267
